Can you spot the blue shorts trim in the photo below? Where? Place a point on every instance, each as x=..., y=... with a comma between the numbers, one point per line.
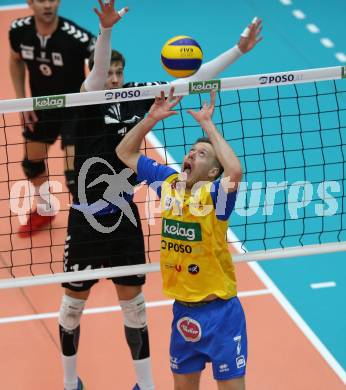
x=215, y=332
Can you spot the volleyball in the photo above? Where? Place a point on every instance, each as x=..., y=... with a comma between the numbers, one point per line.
x=181, y=56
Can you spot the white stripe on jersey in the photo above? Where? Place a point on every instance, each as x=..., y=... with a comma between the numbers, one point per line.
x=21, y=22
x=75, y=32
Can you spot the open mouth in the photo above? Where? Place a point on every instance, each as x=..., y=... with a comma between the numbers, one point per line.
x=187, y=167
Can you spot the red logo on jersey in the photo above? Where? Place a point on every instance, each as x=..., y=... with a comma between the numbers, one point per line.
x=189, y=329
x=178, y=268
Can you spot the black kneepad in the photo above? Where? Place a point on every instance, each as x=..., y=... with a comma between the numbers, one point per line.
x=138, y=341
x=33, y=169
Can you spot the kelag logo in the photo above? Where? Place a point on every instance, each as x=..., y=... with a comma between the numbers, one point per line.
x=184, y=231
x=114, y=95
x=280, y=78
x=204, y=86
x=49, y=102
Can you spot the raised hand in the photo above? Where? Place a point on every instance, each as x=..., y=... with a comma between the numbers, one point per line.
x=251, y=36
x=162, y=107
x=206, y=112
x=109, y=15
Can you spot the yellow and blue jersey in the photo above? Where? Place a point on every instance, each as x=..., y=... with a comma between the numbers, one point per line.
x=195, y=259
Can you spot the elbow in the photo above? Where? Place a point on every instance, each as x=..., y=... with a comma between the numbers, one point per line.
x=120, y=152
x=235, y=174
x=238, y=175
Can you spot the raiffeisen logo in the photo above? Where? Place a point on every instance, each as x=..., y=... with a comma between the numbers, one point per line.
x=204, y=86
x=49, y=102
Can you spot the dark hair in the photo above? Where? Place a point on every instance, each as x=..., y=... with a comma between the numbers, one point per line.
x=217, y=162
x=115, y=56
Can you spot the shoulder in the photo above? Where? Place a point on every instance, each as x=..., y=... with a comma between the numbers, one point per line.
x=22, y=24
x=74, y=31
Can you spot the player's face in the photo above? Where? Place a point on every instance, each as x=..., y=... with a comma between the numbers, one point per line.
x=45, y=10
x=199, y=164
x=115, y=77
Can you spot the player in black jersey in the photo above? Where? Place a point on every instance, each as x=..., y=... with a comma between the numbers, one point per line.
x=104, y=227
x=53, y=50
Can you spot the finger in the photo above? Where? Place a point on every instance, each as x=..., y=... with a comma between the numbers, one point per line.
x=175, y=101
x=123, y=11
x=258, y=31
x=250, y=27
x=259, y=22
x=171, y=93
x=162, y=95
x=259, y=39
x=212, y=97
x=97, y=12
x=246, y=32
x=101, y=5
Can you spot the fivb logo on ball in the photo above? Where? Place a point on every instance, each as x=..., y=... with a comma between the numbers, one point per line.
x=181, y=56
x=49, y=102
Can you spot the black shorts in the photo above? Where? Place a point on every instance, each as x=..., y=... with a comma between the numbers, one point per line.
x=51, y=124
x=86, y=248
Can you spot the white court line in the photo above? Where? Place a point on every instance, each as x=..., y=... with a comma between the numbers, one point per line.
x=323, y=285
x=299, y=321
x=13, y=7
x=326, y=42
x=279, y=296
x=314, y=29
x=341, y=57
x=297, y=13
x=109, y=309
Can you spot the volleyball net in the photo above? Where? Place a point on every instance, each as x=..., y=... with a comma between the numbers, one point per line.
x=288, y=130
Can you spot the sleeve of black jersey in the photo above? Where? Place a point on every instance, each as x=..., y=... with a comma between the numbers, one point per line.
x=14, y=39
x=89, y=46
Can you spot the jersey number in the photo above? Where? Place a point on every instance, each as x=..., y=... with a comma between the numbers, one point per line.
x=45, y=70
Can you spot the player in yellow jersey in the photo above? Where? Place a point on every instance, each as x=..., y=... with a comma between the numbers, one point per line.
x=196, y=266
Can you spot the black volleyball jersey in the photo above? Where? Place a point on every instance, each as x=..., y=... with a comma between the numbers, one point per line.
x=56, y=63
x=100, y=129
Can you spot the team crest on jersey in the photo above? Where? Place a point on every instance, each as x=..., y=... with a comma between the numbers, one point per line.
x=27, y=52
x=168, y=202
x=57, y=59
x=190, y=329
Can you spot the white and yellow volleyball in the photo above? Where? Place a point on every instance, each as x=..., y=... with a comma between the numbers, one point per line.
x=181, y=56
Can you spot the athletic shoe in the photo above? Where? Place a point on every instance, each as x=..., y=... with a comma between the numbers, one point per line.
x=34, y=223
x=136, y=387
x=80, y=385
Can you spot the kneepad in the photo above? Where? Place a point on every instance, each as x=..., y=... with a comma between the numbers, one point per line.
x=134, y=312
x=33, y=169
x=71, y=310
